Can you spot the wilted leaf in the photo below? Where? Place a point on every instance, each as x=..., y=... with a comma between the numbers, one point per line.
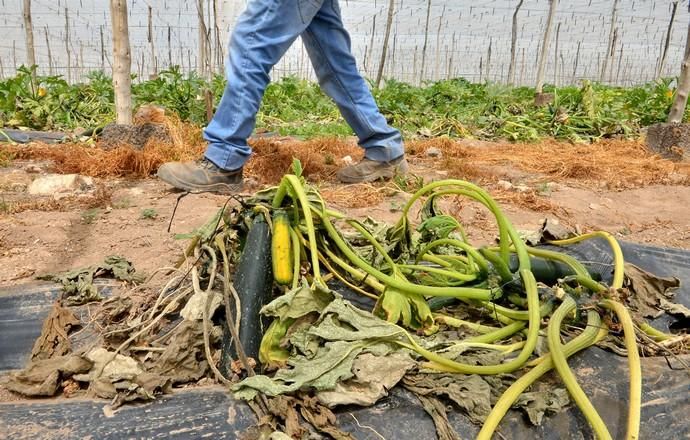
x=271, y=354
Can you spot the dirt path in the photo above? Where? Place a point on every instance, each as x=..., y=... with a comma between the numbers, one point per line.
x=133, y=220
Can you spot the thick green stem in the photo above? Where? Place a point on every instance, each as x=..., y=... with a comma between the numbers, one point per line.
x=592, y=332
x=396, y=283
x=446, y=273
x=530, y=286
x=618, y=261
x=635, y=399
x=560, y=360
x=480, y=260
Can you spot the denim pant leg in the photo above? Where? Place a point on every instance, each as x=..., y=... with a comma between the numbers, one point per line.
x=262, y=35
x=329, y=48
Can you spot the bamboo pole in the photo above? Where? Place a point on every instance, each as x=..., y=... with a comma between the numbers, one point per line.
x=368, y=56
x=205, y=59
x=386, y=37
x=203, y=54
x=553, y=4
x=102, y=49
x=681, y=100
x=219, y=46
x=50, y=54
x=513, y=44
x=615, y=42
x=149, y=36
x=610, y=47
x=170, y=62
x=29, y=30
x=664, y=51
x=620, y=62
x=488, y=61
x=67, y=45
x=481, y=69
x=80, y=62
x=426, y=41
x=555, y=55
x=122, y=62
x=449, y=74
x=437, y=60
x=577, y=61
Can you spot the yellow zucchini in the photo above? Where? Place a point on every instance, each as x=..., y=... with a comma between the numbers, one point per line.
x=281, y=253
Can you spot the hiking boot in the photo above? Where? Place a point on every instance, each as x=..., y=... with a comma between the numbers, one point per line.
x=200, y=176
x=368, y=170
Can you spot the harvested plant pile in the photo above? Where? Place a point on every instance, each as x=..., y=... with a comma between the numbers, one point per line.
x=445, y=312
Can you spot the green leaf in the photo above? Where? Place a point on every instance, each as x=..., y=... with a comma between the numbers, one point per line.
x=297, y=167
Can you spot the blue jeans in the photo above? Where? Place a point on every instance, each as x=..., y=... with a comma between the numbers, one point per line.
x=262, y=35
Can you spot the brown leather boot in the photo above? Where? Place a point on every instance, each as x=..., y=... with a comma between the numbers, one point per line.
x=200, y=176
x=368, y=170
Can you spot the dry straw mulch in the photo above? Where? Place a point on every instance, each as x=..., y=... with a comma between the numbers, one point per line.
x=614, y=164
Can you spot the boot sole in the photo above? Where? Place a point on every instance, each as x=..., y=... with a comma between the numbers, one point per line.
x=383, y=174
x=218, y=188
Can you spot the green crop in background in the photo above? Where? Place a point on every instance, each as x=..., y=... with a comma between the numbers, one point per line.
x=297, y=107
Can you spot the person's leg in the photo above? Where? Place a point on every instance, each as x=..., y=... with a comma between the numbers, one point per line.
x=261, y=36
x=329, y=48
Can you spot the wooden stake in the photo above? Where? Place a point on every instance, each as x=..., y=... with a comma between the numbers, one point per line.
x=513, y=44
x=678, y=108
x=545, y=47
x=122, y=62
x=384, y=49
x=29, y=30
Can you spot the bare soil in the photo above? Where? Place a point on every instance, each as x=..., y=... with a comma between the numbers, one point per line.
x=130, y=217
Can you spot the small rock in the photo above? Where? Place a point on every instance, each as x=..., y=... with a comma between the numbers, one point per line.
x=33, y=169
x=553, y=230
x=57, y=183
x=677, y=178
x=347, y=160
x=504, y=184
x=425, y=132
x=522, y=188
x=594, y=206
x=433, y=152
x=18, y=187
